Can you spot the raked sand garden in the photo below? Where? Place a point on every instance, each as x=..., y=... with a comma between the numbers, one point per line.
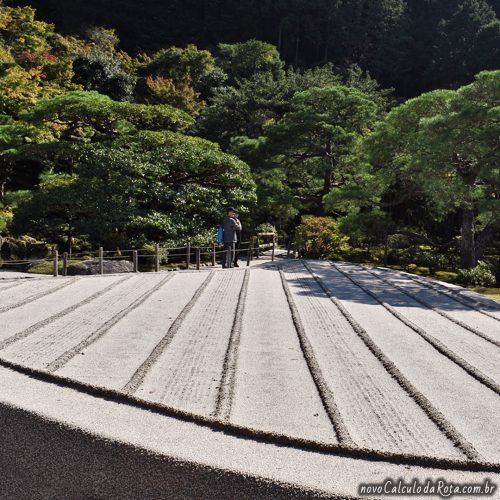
x=287, y=379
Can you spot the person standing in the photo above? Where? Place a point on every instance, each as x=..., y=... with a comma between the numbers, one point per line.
x=238, y=240
x=231, y=225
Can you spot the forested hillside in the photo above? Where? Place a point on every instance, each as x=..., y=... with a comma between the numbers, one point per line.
x=412, y=45
x=134, y=124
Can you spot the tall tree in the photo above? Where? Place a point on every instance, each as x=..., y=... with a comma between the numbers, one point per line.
x=117, y=173
x=439, y=150
x=311, y=141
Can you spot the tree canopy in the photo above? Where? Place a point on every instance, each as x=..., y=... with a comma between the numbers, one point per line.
x=116, y=174
x=412, y=45
x=118, y=137
x=438, y=151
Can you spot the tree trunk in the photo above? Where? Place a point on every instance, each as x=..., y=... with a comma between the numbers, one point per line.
x=326, y=55
x=469, y=173
x=329, y=169
x=484, y=238
x=70, y=240
x=280, y=36
x=327, y=179
x=467, y=243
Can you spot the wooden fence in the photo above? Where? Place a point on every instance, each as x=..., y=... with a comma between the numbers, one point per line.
x=187, y=257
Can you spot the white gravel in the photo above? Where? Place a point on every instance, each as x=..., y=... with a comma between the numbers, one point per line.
x=377, y=413
x=187, y=375
x=467, y=404
x=274, y=388
x=112, y=360
x=194, y=342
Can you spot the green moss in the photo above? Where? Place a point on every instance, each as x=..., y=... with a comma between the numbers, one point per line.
x=448, y=276
x=47, y=267
x=491, y=293
x=173, y=265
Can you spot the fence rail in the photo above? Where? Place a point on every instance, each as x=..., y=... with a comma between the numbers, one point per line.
x=188, y=256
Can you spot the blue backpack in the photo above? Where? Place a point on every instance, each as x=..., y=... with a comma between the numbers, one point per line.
x=220, y=234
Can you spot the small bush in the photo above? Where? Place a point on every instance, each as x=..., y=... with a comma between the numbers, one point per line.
x=266, y=228
x=432, y=260
x=23, y=248
x=448, y=276
x=356, y=254
x=47, y=266
x=480, y=275
x=147, y=258
x=319, y=237
x=5, y=220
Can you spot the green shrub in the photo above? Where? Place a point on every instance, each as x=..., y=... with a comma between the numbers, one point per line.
x=480, y=275
x=448, y=276
x=15, y=198
x=23, y=248
x=147, y=258
x=319, y=237
x=266, y=227
x=5, y=219
x=432, y=260
x=356, y=254
x=47, y=266
x=11, y=201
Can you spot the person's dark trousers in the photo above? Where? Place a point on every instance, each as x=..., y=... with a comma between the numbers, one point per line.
x=228, y=254
x=236, y=248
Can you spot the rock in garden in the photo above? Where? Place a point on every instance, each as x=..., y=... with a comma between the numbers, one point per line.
x=92, y=267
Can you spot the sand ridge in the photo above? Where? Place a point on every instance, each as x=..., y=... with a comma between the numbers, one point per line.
x=327, y=357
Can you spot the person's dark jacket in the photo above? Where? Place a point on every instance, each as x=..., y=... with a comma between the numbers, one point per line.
x=231, y=226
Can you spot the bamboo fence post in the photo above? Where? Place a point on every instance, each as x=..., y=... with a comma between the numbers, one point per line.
x=101, y=260
x=188, y=255
x=135, y=259
x=55, y=255
x=157, y=257
x=213, y=254
x=65, y=264
x=198, y=258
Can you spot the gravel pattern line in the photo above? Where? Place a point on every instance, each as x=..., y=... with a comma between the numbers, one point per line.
x=437, y=344
x=379, y=414
x=114, y=358
x=226, y=388
x=188, y=374
x=139, y=375
x=459, y=296
x=326, y=394
x=437, y=302
x=31, y=298
x=423, y=402
x=439, y=311
x=274, y=389
x=78, y=464
x=64, y=358
x=113, y=395
x=477, y=351
x=330, y=358
x=10, y=284
x=61, y=314
x=47, y=343
x=466, y=403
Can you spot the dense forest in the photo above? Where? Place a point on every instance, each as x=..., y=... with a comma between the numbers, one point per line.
x=410, y=45
x=130, y=124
